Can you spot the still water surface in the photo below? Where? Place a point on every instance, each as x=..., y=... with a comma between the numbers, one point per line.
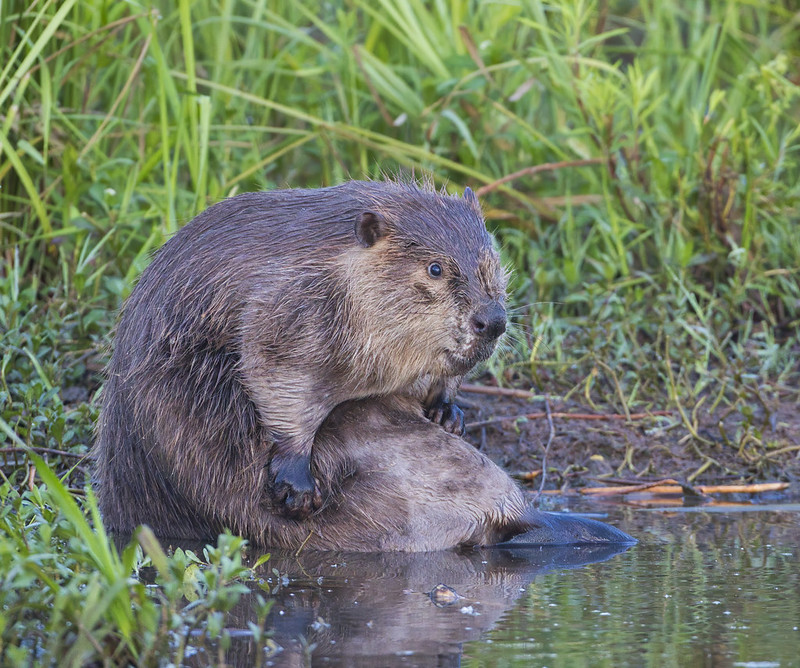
x=700, y=589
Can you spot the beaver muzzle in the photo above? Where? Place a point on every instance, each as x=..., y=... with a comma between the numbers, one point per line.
x=489, y=321
x=486, y=325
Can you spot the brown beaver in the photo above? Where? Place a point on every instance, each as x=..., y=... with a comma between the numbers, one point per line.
x=402, y=483
x=269, y=309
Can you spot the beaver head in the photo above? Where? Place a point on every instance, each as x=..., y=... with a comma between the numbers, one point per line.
x=427, y=268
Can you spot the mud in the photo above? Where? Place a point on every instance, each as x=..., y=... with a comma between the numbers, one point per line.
x=764, y=446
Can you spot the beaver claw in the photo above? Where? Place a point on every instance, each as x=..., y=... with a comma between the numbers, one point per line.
x=293, y=489
x=450, y=416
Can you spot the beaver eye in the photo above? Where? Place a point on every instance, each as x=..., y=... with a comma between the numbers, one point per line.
x=434, y=270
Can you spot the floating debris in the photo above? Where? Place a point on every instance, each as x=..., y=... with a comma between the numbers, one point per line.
x=442, y=596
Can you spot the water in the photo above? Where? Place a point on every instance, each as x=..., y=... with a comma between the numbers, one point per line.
x=700, y=589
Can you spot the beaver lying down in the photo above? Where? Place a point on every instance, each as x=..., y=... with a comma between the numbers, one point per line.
x=404, y=483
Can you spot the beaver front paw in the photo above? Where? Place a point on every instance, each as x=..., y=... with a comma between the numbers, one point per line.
x=450, y=416
x=292, y=487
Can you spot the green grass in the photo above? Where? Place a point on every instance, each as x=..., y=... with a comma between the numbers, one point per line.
x=70, y=598
x=653, y=237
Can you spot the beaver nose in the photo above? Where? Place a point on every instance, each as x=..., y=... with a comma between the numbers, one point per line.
x=490, y=321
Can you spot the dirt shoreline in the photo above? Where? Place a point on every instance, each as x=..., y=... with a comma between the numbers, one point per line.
x=584, y=450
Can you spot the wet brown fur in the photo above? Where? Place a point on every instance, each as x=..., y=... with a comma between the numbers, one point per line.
x=403, y=484
x=260, y=317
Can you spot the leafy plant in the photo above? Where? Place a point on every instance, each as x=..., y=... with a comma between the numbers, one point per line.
x=70, y=598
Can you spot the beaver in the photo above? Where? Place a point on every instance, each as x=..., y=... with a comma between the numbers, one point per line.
x=269, y=309
x=399, y=483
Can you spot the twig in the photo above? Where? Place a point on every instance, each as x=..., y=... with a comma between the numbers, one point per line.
x=535, y=169
x=48, y=451
x=550, y=438
x=474, y=53
x=645, y=486
x=496, y=391
x=526, y=476
x=568, y=416
x=125, y=88
x=776, y=453
x=303, y=544
x=387, y=117
x=744, y=489
x=670, y=486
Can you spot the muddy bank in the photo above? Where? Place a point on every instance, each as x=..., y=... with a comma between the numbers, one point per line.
x=514, y=432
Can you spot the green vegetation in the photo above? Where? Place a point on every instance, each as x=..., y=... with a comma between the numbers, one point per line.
x=68, y=597
x=638, y=161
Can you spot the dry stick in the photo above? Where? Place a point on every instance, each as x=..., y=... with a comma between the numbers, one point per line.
x=628, y=482
x=373, y=91
x=48, y=451
x=743, y=489
x=672, y=487
x=125, y=88
x=550, y=438
x=474, y=53
x=568, y=416
x=496, y=391
x=788, y=448
x=527, y=476
x=641, y=487
x=535, y=169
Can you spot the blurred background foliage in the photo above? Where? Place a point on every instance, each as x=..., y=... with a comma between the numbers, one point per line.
x=638, y=162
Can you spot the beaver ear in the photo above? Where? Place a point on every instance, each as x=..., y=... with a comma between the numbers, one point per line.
x=370, y=227
x=470, y=196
